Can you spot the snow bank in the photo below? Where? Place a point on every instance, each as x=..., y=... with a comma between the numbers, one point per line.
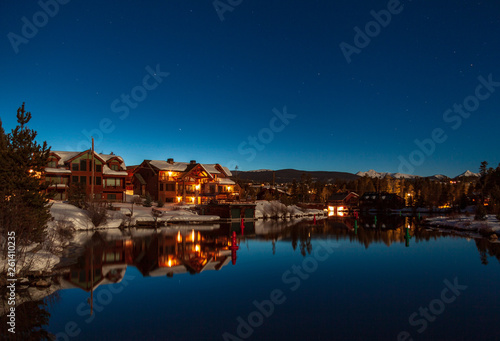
x=275, y=208
x=465, y=223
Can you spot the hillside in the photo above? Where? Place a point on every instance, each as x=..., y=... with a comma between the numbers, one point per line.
x=287, y=175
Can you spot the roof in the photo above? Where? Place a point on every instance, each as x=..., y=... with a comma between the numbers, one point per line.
x=164, y=165
x=57, y=170
x=226, y=181
x=66, y=156
x=341, y=196
x=108, y=171
x=186, y=166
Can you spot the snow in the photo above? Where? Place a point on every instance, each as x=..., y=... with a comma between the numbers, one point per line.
x=108, y=171
x=274, y=208
x=260, y=170
x=181, y=167
x=468, y=173
x=374, y=174
x=57, y=170
x=465, y=222
x=164, y=165
x=226, y=181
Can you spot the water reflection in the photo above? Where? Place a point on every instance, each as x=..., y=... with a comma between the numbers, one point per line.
x=102, y=258
x=166, y=252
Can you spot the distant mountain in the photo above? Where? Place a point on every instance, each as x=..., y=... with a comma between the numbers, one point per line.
x=438, y=177
x=468, y=173
x=287, y=175
x=374, y=174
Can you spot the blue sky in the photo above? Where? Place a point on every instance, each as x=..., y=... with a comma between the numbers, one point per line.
x=225, y=77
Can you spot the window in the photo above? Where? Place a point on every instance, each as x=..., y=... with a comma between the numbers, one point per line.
x=98, y=168
x=111, y=196
x=83, y=179
x=113, y=182
x=52, y=164
x=83, y=165
x=74, y=166
x=98, y=181
x=161, y=187
x=115, y=167
x=74, y=179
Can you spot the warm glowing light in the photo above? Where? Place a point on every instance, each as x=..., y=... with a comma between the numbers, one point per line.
x=197, y=248
x=330, y=213
x=179, y=199
x=229, y=189
x=192, y=235
x=179, y=238
x=340, y=213
x=169, y=263
x=169, y=173
x=331, y=208
x=197, y=187
x=340, y=208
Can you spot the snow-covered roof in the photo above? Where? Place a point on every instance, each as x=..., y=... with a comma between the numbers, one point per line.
x=108, y=171
x=164, y=165
x=211, y=168
x=182, y=167
x=226, y=181
x=65, y=156
x=227, y=171
x=57, y=170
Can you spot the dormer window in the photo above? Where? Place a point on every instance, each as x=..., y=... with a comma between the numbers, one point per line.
x=52, y=164
x=115, y=167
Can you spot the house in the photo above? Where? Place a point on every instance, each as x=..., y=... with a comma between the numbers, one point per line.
x=65, y=169
x=188, y=182
x=380, y=201
x=337, y=203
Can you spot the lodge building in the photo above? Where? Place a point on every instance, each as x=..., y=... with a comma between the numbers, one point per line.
x=67, y=168
x=188, y=182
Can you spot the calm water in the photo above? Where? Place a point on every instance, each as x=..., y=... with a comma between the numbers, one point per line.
x=287, y=281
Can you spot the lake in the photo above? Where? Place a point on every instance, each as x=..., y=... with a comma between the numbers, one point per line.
x=335, y=279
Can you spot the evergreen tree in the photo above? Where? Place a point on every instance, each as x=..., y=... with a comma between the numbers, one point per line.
x=23, y=205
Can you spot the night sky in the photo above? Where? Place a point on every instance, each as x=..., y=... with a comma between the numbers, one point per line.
x=312, y=85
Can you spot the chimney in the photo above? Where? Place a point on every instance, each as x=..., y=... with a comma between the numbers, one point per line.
x=193, y=162
x=171, y=161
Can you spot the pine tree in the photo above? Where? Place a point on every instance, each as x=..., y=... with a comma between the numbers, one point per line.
x=23, y=205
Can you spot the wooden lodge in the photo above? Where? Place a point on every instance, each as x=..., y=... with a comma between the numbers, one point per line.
x=65, y=169
x=188, y=182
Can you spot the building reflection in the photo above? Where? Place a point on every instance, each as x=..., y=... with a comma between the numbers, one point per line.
x=194, y=248
x=183, y=249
